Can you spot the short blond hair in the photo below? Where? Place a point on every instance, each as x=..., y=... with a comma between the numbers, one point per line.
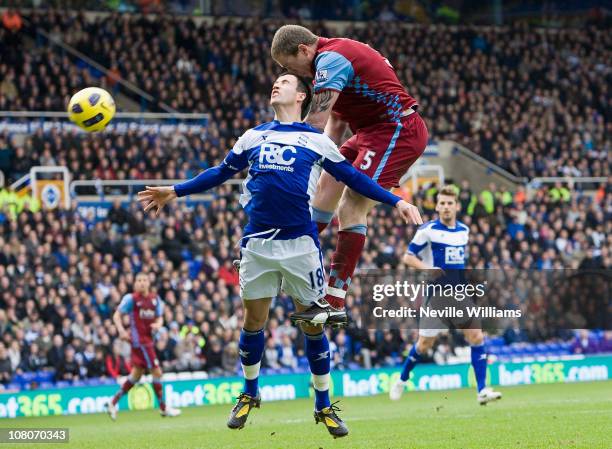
x=287, y=39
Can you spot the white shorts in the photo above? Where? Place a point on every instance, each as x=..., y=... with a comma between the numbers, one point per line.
x=294, y=266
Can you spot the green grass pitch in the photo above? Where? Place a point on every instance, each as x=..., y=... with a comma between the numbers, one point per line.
x=537, y=416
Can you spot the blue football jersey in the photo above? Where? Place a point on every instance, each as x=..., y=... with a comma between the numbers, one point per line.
x=441, y=246
x=285, y=161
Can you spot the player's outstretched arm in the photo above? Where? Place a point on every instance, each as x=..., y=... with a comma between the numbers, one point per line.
x=158, y=197
x=414, y=262
x=360, y=183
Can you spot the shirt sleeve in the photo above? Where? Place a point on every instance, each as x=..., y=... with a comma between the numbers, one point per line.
x=235, y=161
x=127, y=304
x=419, y=241
x=329, y=149
x=346, y=173
x=332, y=71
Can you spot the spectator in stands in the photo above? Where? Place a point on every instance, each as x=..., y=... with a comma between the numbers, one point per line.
x=341, y=351
x=514, y=333
x=14, y=354
x=55, y=356
x=116, y=364
x=6, y=370
x=230, y=358
x=69, y=369
x=11, y=20
x=214, y=355
x=287, y=356
x=271, y=358
x=96, y=367
x=36, y=359
x=585, y=343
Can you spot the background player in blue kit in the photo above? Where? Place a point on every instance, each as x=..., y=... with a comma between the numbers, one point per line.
x=280, y=246
x=442, y=244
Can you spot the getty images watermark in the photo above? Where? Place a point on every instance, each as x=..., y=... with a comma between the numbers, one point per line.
x=437, y=301
x=542, y=301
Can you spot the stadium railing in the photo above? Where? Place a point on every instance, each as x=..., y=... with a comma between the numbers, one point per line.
x=126, y=189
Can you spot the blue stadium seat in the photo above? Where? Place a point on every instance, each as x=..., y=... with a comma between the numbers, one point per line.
x=44, y=376
x=303, y=362
x=505, y=350
x=495, y=350
x=496, y=341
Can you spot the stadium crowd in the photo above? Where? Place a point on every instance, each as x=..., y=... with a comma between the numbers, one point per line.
x=63, y=273
x=533, y=101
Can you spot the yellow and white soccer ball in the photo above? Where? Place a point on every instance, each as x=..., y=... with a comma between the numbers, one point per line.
x=91, y=109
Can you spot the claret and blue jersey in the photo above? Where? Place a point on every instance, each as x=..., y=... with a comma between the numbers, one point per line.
x=440, y=246
x=370, y=91
x=284, y=163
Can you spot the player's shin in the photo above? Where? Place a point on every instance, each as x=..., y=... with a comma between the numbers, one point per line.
x=317, y=351
x=413, y=358
x=158, y=389
x=344, y=260
x=321, y=218
x=251, y=347
x=127, y=385
x=479, y=363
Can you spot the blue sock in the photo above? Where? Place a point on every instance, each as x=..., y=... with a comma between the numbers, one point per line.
x=413, y=358
x=317, y=351
x=479, y=362
x=251, y=347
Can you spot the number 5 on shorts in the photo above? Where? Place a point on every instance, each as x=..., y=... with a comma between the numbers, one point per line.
x=367, y=160
x=319, y=275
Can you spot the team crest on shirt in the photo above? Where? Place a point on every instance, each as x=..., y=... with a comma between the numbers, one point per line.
x=321, y=76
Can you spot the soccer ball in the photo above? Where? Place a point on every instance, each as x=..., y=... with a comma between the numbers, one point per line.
x=91, y=109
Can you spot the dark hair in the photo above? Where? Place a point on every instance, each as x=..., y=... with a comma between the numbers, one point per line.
x=304, y=86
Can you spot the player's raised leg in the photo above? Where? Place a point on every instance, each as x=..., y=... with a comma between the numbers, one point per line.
x=427, y=338
x=352, y=215
x=319, y=359
x=251, y=348
x=475, y=338
x=133, y=378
